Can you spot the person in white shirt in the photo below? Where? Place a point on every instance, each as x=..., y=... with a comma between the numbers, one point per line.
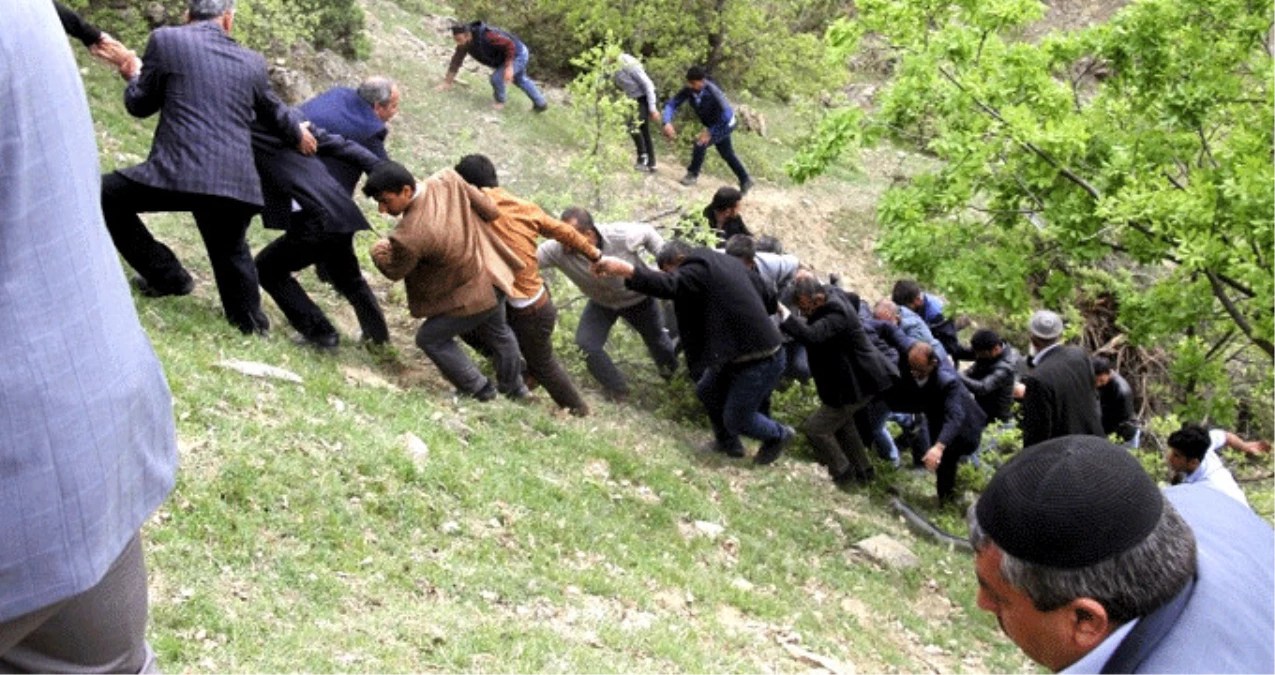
x=1192, y=455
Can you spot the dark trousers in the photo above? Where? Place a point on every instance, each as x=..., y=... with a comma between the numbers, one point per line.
x=952, y=455
x=595, y=326
x=733, y=395
x=102, y=630
x=835, y=438
x=437, y=338
x=222, y=223
x=726, y=150
x=296, y=250
x=533, y=326
x=640, y=132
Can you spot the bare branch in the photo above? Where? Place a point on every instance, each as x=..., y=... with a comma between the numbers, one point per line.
x=1240, y=320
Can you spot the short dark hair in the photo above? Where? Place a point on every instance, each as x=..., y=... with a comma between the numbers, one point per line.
x=741, y=246
x=458, y=28
x=984, y=340
x=584, y=219
x=905, y=292
x=478, y=171
x=725, y=197
x=695, y=74
x=388, y=176
x=672, y=252
x=1191, y=441
x=1101, y=366
x=807, y=287
x=768, y=244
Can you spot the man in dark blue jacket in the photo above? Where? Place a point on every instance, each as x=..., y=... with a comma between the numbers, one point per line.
x=320, y=218
x=499, y=50
x=953, y=416
x=357, y=115
x=723, y=311
x=848, y=373
x=718, y=118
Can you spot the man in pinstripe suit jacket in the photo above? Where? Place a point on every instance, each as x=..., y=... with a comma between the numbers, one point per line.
x=87, y=445
x=207, y=89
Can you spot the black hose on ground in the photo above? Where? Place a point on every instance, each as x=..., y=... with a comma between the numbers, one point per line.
x=920, y=526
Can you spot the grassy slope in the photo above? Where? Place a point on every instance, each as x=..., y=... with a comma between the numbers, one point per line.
x=302, y=535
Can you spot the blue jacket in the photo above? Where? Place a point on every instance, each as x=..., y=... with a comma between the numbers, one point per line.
x=87, y=438
x=342, y=112
x=710, y=106
x=1229, y=618
x=288, y=175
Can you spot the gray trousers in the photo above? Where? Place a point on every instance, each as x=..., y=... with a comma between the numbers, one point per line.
x=836, y=440
x=437, y=338
x=595, y=326
x=102, y=630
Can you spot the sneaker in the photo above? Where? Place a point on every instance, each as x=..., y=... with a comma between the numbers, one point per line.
x=771, y=450
x=539, y=108
x=689, y=179
x=519, y=395
x=643, y=167
x=745, y=186
x=581, y=410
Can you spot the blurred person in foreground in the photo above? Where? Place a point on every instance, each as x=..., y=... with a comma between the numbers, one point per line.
x=87, y=442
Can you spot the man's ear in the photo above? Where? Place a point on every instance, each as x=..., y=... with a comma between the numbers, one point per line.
x=1090, y=623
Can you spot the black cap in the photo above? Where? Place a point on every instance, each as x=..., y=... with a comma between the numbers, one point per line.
x=1069, y=502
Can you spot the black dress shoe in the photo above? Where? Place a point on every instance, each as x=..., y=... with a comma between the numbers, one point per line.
x=324, y=343
x=145, y=288
x=771, y=450
x=487, y=393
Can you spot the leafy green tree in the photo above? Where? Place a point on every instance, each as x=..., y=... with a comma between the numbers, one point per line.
x=601, y=112
x=1132, y=160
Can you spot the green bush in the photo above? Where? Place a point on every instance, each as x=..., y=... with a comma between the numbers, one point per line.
x=269, y=26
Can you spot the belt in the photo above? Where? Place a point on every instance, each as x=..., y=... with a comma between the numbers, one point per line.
x=756, y=356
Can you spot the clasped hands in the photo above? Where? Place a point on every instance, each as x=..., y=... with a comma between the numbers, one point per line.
x=115, y=53
x=607, y=266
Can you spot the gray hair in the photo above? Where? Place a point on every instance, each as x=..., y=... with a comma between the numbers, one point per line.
x=376, y=90
x=202, y=10
x=1128, y=585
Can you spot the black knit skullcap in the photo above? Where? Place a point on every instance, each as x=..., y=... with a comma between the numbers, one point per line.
x=1069, y=502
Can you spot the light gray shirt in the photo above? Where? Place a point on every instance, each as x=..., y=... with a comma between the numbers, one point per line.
x=776, y=269
x=619, y=240
x=87, y=445
x=632, y=78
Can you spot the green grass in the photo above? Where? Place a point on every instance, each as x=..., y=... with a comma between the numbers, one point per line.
x=303, y=537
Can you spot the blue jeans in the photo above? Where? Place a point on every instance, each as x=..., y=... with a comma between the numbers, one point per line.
x=726, y=150
x=733, y=395
x=872, y=418
x=520, y=79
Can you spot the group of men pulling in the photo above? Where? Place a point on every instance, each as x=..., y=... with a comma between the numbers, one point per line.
x=1085, y=563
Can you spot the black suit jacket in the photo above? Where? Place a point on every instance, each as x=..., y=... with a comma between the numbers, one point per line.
x=1061, y=399
x=949, y=408
x=723, y=309
x=207, y=89
x=846, y=367
x=286, y=174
